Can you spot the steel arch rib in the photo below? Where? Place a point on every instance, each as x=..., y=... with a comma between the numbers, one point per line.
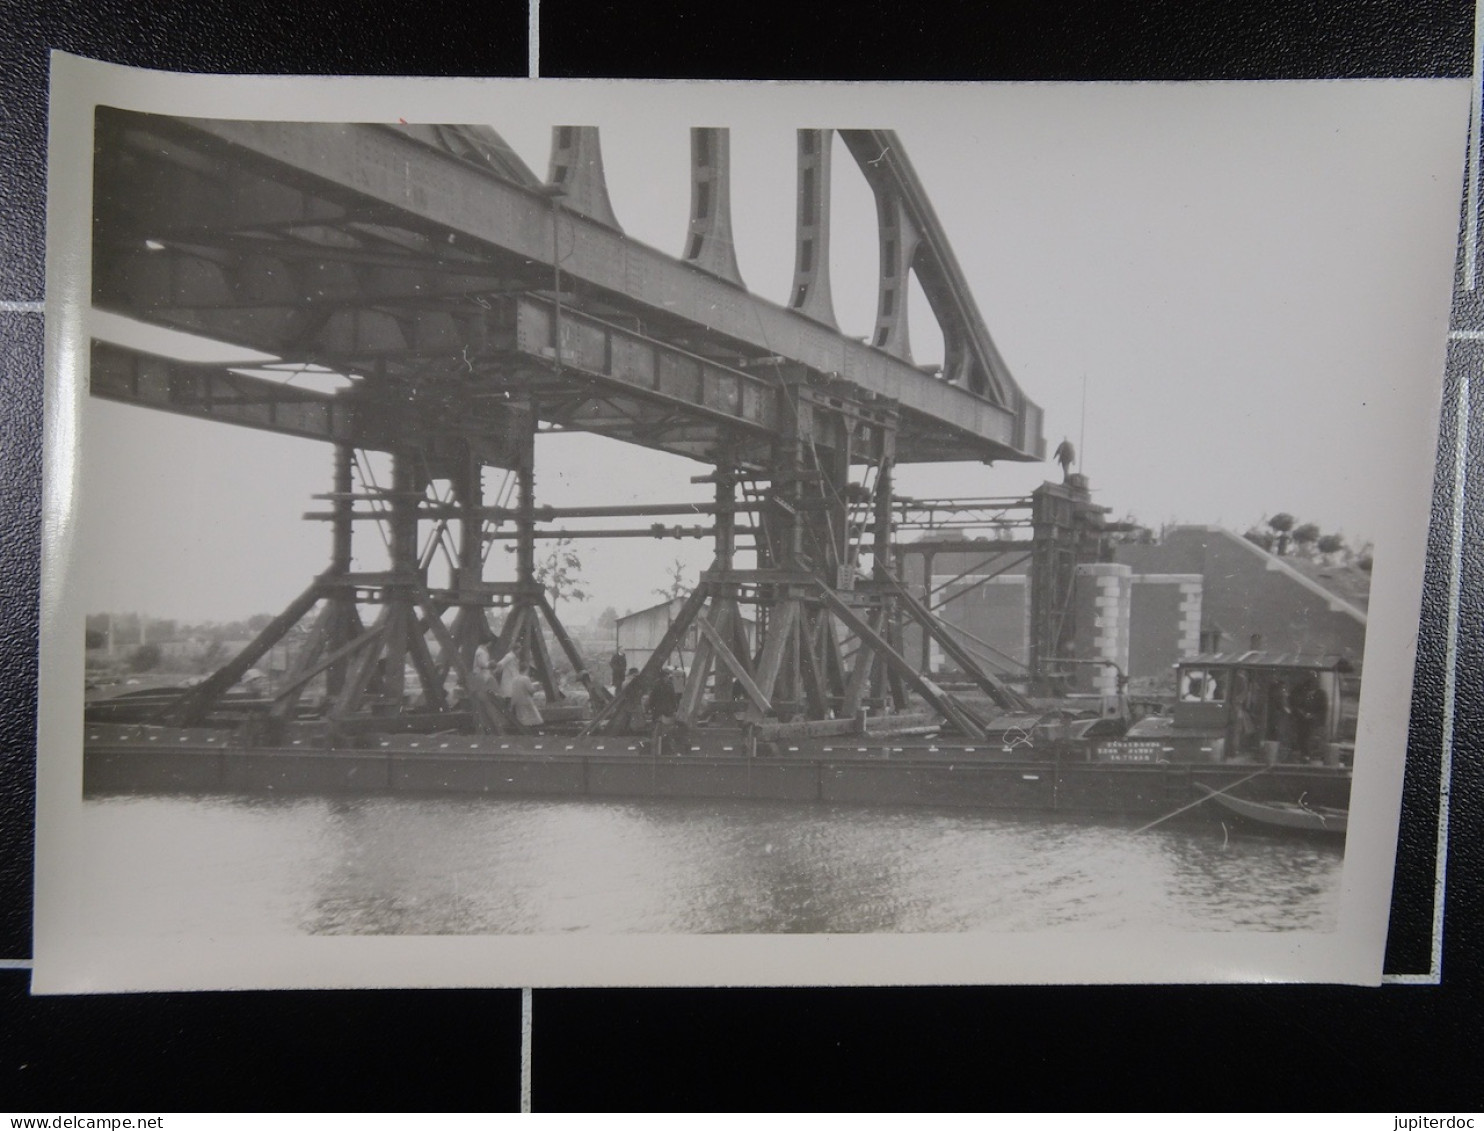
x=885, y=165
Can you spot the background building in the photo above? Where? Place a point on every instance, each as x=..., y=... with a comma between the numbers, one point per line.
x=1197, y=589
x=639, y=634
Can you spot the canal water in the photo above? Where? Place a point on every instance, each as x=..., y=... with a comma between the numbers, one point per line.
x=399, y=865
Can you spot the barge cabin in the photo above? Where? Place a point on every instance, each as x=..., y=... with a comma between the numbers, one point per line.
x=1245, y=707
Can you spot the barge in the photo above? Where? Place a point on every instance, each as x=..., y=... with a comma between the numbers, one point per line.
x=122, y=758
x=1200, y=751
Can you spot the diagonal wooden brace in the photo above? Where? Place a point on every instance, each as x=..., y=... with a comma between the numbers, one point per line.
x=1004, y=696
x=194, y=706
x=941, y=702
x=673, y=635
x=736, y=667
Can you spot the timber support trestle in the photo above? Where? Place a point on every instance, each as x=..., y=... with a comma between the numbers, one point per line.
x=413, y=665
x=464, y=303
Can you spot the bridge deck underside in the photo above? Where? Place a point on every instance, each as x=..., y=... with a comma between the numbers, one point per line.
x=429, y=284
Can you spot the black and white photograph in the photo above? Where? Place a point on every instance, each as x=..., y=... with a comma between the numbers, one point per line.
x=732, y=534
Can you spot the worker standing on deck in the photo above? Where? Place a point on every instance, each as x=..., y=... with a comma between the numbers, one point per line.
x=618, y=664
x=523, y=699
x=630, y=717
x=505, y=672
x=1309, y=707
x=482, y=679
x=664, y=702
x=506, y=668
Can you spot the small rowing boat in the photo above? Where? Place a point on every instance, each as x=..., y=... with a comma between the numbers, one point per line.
x=1293, y=815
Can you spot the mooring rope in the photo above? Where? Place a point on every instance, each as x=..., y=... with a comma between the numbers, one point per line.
x=1068, y=868
x=1199, y=800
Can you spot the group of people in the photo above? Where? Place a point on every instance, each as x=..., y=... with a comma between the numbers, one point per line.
x=1288, y=713
x=509, y=681
x=1291, y=715
x=655, y=707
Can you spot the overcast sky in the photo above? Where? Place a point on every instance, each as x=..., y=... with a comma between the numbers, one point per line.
x=1248, y=278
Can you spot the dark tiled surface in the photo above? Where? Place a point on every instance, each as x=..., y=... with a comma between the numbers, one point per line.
x=433, y=1050
x=1220, y=1048
x=20, y=549
x=969, y=39
x=325, y=37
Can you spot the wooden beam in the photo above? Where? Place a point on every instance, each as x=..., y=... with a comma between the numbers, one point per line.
x=940, y=701
x=673, y=635
x=597, y=693
x=810, y=666
x=191, y=708
x=284, y=701
x=738, y=669
x=780, y=629
x=1005, y=697
x=487, y=714
x=360, y=673
x=700, y=668
x=860, y=674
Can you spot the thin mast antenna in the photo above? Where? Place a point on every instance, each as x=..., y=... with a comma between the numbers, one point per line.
x=1082, y=435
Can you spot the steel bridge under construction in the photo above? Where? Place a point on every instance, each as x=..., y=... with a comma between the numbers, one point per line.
x=471, y=304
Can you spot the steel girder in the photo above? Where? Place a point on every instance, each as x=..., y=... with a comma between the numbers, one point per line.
x=368, y=250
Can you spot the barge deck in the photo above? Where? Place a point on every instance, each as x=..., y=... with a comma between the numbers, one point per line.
x=862, y=770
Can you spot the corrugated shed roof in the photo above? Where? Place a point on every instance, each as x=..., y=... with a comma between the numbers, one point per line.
x=1257, y=659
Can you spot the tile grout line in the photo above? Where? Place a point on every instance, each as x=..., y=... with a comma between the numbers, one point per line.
x=1434, y=976
x=525, y=1051
x=1450, y=671
x=533, y=70
x=1476, y=118
x=533, y=40
x=19, y=306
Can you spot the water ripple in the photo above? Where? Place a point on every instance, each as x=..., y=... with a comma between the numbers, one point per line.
x=458, y=866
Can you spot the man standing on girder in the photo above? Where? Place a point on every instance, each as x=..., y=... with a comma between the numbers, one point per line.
x=1066, y=455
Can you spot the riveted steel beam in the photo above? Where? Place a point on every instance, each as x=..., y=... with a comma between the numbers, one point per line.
x=210, y=392
x=898, y=250
x=709, y=244
x=381, y=177
x=811, y=287
x=576, y=175
x=971, y=359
